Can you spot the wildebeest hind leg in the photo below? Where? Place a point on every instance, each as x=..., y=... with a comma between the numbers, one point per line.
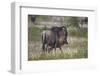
x=43, y=47
x=46, y=48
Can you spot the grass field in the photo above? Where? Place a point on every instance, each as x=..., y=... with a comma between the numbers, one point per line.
x=76, y=48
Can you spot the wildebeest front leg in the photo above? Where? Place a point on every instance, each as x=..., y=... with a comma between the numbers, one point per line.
x=43, y=48
x=61, y=50
x=55, y=48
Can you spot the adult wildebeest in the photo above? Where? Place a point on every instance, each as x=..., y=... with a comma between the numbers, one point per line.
x=54, y=38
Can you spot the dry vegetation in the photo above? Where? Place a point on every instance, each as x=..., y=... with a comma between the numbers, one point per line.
x=77, y=47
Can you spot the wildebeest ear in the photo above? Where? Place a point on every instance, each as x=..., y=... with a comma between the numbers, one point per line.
x=63, y=26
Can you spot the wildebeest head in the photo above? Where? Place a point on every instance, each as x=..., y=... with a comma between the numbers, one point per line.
x=65, y=33
x=61, y=32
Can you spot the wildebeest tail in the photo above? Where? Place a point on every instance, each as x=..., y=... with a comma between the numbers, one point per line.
x=43, y=39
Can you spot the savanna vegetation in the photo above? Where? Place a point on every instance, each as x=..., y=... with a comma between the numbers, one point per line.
x=77, y=46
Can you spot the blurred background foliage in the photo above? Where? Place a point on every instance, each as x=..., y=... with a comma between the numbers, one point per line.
x=60, y=20
x=76, y=26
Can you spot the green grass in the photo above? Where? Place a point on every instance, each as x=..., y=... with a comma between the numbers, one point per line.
x=77, y=32
x=80, y=54
x=77, y=38
x=42, y=18
x=34, y=33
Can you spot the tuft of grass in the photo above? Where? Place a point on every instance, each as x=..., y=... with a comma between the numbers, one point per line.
x=82, y=53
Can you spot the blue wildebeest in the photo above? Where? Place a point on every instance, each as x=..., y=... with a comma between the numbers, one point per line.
x=54, y=38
